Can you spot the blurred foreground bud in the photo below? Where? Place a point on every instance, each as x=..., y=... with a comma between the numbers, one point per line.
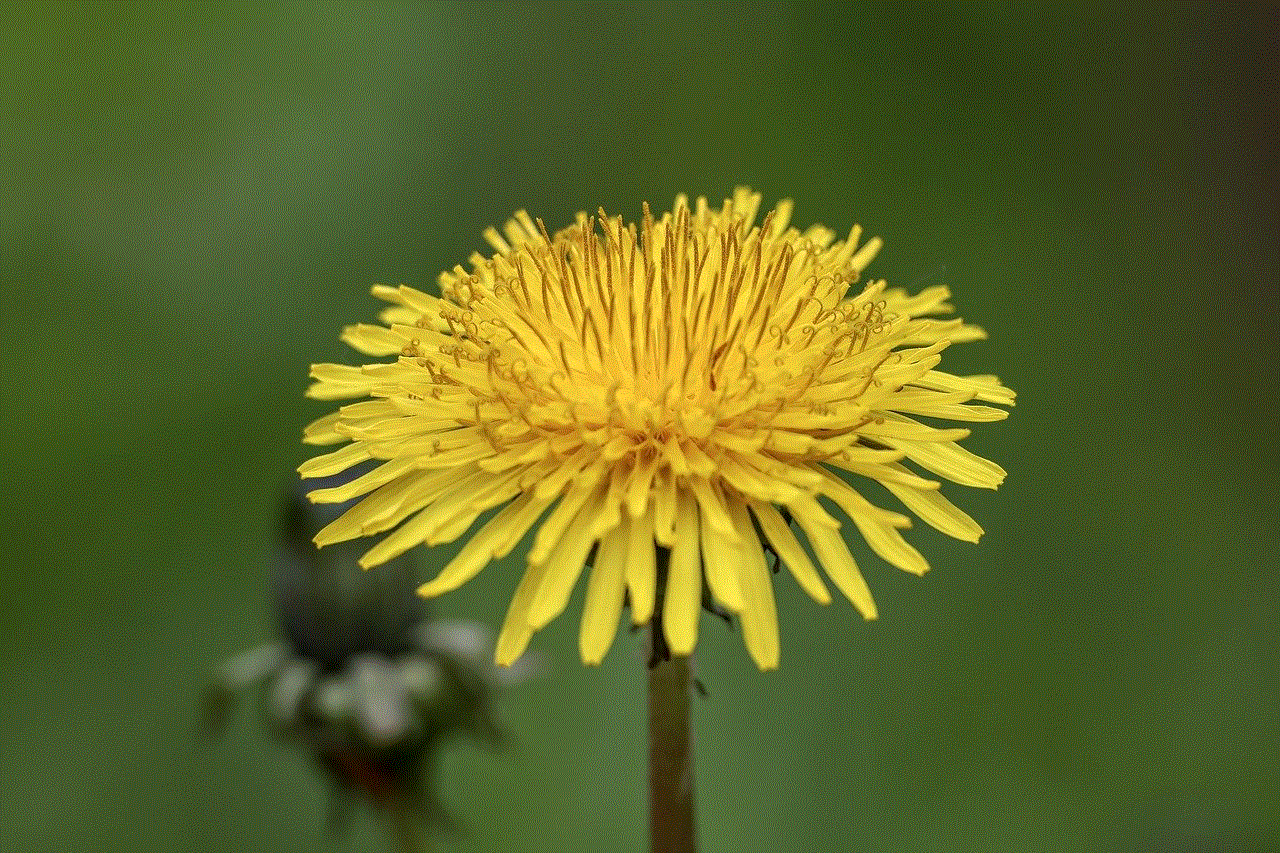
x=362, y=679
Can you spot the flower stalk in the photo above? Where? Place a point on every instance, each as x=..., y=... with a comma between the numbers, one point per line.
x=671, y=822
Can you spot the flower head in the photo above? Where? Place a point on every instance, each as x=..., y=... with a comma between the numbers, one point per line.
x=660, y=402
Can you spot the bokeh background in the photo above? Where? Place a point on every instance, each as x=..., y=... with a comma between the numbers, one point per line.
x=195, y=199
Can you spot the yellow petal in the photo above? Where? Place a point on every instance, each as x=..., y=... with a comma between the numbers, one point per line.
x=682, y=601
x=373, y=340
x=720, y=557
x=395, y=500
x=321, y=430
x=335, y=462
x=642, y=571
x=985, y=388
x=834, y=556
x=603, y=604
x=712, y=505
x=789, y=550
x=514, y=637
x=877, y=526
x=365, y=483
x=480, y=548
x=953, y=462
x=455, y=510
x=936, y=511
x=564, y=565
x=399, y=499
x=558, y=521
x=759, y=613
x=664, y=509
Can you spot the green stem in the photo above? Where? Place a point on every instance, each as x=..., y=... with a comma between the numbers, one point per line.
x=671, y=828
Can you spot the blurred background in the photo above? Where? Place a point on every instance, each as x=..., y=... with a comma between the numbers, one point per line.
x=195, y=199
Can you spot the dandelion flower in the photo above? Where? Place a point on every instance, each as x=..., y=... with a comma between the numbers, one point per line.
x=661, y=403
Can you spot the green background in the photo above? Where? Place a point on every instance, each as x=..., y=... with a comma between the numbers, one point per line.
x=195, y=199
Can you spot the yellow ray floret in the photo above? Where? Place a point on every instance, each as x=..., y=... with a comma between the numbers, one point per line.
x=657, y=402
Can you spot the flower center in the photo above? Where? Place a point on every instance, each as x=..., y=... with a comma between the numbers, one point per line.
x=691, y=327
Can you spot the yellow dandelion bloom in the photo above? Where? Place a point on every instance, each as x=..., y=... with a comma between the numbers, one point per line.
x=661, y=402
